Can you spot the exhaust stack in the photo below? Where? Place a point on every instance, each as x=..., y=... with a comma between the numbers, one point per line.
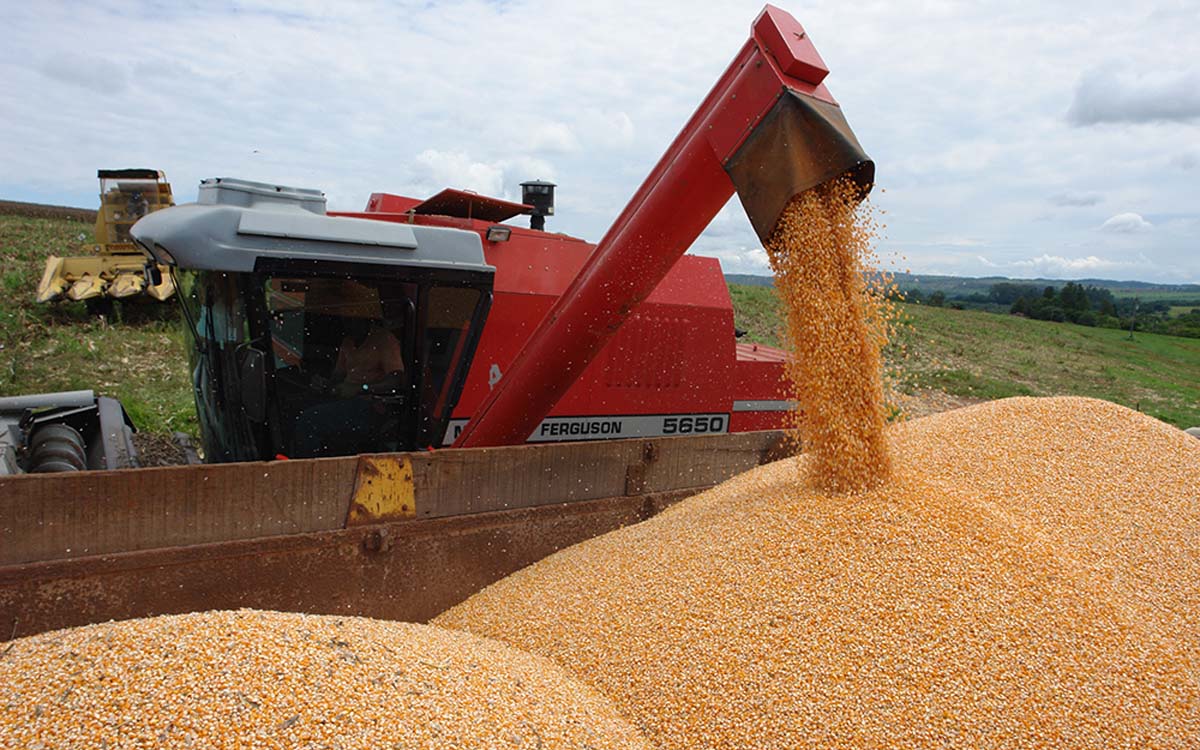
x=540, y=195
x=769, y=129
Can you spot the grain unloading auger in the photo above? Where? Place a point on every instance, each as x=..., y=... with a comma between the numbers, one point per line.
x=401, y=534
x=769, y=129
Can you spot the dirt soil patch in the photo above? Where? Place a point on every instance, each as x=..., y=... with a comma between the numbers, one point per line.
x=157, y=449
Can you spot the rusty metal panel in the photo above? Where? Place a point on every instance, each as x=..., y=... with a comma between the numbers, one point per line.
x=802, y=142
x=480, y=480
x=485, y=479
x=54, y=517
x=705, y=461
x=408, y=571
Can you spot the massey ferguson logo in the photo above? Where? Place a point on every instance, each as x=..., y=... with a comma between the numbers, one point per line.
x=555, y=429
x=583, y=429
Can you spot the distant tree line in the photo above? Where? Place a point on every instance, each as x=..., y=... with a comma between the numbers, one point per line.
x=1070, y=303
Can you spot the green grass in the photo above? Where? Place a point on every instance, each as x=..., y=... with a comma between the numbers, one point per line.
x=1177, y=310
x=137, y=357
x=1157, y=295
x=984, y=355
x=992, y=356
x=756, y=311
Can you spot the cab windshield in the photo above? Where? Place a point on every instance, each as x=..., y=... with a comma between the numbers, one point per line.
x=342, y=354
x=327, y=365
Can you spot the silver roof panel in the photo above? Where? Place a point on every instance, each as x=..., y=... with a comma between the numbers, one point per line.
x=237, y=222
x=300, y=226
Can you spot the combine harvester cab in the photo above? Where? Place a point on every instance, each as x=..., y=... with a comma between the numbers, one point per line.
x=315, y=335
x=503, y=335
x=117, y=269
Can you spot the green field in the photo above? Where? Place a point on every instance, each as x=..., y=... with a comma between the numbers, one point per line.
x=963, y=287
x=1158, y=295
x=139, y=357
x=982, y=355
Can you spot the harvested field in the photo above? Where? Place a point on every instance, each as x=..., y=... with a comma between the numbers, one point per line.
x=44, y=211
x=1029, y=576
x=156, y=449
x=274, y=680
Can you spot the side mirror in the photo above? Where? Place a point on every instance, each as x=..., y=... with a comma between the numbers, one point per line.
x=254, y=384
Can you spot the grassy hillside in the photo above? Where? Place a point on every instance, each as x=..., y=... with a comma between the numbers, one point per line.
x=1000, y=355
x=138, y=357
x=977, y=354
x=959, y=286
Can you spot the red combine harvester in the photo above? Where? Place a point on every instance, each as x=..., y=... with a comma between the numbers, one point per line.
x=533, y=351
x=672, y=368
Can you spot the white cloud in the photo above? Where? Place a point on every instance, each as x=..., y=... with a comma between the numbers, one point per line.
x=1187, y=161
x=91, y=72
x=605, y=128
x=1056, y=265
x=456, y=169
x=554, y=137
x=962, y=242
x=743, y=259
x=1073, y=199
x=1126, y=223
x=383, y=95
x=969, y=156
x=1110, y=94
x=432, y=170
x=619, y=128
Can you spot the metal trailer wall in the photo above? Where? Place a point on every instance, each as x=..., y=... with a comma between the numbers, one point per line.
x=396, y=536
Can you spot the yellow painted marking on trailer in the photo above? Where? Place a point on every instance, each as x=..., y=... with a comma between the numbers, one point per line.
x=383, y=490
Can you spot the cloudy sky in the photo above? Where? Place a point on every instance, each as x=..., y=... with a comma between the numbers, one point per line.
x=1021, y=138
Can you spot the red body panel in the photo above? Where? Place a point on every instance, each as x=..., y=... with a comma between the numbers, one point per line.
x=471, y=205
x=675, y=355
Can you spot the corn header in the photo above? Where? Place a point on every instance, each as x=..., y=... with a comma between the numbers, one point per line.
x=116, y=267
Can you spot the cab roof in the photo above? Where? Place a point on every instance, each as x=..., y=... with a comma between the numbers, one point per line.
x=236, y=223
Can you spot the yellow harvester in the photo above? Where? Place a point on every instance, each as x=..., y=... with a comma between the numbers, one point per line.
x=116, y=268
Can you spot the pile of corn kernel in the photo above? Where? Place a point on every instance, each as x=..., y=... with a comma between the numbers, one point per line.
x=1029, y=576
x=252, y=679
x=1024, y=573
x=836, y=323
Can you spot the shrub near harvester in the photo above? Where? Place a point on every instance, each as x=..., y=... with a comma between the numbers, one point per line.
x=488, y=335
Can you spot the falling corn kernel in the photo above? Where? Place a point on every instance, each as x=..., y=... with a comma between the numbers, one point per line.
x=836, y=322
x=1028, y=576
x=252, y=679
